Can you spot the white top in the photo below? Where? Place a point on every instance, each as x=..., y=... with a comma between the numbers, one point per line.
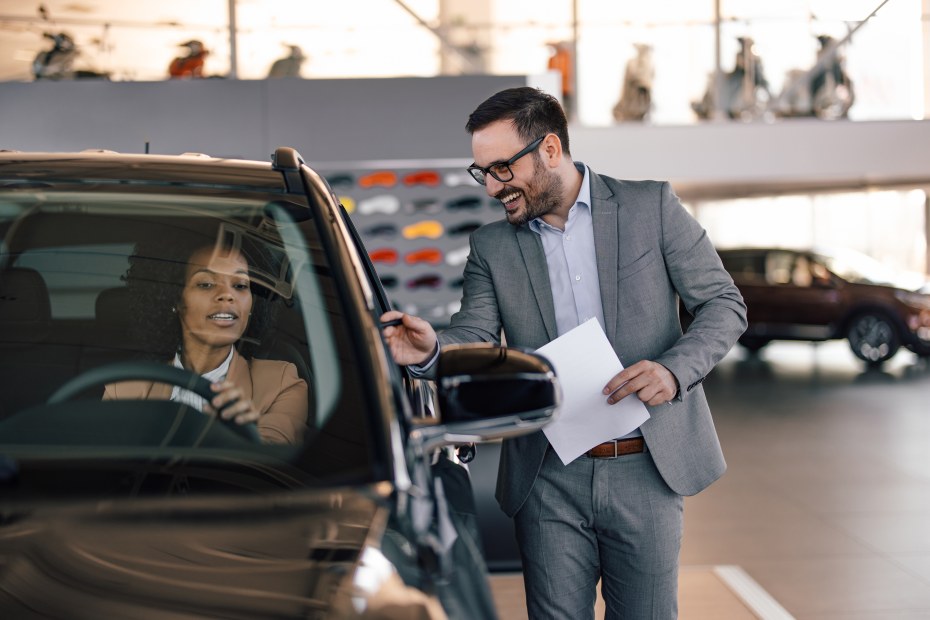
x=180, y=395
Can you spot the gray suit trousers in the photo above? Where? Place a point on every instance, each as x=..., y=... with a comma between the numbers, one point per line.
x=615, y=519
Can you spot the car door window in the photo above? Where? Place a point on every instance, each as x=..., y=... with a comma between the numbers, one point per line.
x=746, y=268
x=778, y=267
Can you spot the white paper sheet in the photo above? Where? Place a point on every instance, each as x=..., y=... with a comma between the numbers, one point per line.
x=584, y=362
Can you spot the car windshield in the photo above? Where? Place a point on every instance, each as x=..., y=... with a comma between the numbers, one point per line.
x=74, y=264
x=860, y=268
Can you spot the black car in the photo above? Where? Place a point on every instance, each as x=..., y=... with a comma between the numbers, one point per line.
x=825, y=294
x=150, y=508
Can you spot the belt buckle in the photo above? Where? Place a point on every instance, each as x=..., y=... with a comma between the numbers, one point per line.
x=615, y=442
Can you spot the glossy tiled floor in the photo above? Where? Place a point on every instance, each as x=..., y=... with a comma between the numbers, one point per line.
x=826, y=502
x=702, y=596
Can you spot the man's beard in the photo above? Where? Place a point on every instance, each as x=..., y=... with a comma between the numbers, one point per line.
x=542, y=196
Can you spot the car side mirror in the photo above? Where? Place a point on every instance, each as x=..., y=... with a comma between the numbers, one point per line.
x=486, y=392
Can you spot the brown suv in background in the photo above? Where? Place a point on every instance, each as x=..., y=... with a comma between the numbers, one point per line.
x=824, y=295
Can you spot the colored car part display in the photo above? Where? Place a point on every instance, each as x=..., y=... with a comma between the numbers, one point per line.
x=464, y=203
x=380, y=178
x=383, y=255
x=383, y=203
x=348, y=203
x=431, y=229
x=441, y=205
x=429, y=280
x=381, y=230
x=464, y=228
x=433, y=256
x=341, y=180
x=422, y=177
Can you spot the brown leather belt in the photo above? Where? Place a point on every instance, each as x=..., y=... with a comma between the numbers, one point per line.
x=617, y=447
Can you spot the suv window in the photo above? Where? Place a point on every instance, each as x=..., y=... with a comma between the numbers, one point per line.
x=779, y=267
x=746, y=268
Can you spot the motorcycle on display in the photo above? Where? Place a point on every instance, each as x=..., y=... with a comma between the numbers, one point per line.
x=561, y=59
x=190, y=65
x=824, y=91
x=745, y=90
x=288, y=66
x=635, y=101
x=57, y=63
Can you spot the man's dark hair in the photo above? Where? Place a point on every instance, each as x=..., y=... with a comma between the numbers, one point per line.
x=533, y=112
x=155, y=281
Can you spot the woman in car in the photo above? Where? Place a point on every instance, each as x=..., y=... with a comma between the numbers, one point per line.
x=196, y=309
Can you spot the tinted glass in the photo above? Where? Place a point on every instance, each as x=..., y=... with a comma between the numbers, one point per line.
x=745, y=267
x=68, y=305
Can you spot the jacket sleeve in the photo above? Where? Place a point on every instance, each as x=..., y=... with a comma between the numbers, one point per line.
x=707, y=292
x=282, y=401
x=478, y=319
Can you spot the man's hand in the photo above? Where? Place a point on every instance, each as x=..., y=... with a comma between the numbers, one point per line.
x=412, y=342
x=652, y=382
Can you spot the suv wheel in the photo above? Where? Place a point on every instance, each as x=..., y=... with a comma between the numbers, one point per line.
x=873, y=337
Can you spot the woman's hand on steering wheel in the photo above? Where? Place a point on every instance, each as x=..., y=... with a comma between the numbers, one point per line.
x=231, y=404
x=163, y=373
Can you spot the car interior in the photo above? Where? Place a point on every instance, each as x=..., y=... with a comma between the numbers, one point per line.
x=50, y=334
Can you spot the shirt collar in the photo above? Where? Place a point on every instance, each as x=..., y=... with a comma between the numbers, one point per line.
x=217, y=374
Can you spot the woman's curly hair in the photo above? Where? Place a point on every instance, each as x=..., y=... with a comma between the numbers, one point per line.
x=155, y=282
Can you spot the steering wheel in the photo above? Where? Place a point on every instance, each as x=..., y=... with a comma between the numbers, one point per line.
x=148, y=371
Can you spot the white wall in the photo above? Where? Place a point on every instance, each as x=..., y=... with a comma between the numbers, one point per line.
x=424, y=118
x=326, y=120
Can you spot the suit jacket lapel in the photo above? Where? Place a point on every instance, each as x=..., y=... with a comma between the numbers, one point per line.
x=606, y=213
x=535, y=260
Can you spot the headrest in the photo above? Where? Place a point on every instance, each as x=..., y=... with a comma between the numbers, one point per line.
x=112, y=306
x=25, y=311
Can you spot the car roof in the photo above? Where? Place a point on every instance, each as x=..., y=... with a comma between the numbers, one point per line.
x=108, y=166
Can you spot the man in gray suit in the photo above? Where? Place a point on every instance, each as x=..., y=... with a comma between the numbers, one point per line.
x=577, y=245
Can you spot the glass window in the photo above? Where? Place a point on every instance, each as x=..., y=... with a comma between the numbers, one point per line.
x=778, y=267
x=746, y=268
x=96, y=278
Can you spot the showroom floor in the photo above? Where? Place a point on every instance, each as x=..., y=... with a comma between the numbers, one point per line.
x=824, y=512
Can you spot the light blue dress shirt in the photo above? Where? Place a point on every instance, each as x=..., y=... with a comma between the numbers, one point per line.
x=572, y=262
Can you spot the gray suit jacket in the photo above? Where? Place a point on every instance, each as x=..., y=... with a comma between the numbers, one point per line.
x=650, y=252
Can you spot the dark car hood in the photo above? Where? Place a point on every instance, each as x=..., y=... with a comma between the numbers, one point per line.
x=291, y=555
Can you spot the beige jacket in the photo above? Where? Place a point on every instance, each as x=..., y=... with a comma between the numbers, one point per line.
x=273, y=387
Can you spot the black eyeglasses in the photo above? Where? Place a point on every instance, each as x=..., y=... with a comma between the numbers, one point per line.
x=501, y=170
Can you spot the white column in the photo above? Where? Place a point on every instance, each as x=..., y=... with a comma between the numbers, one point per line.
x=233, y=41
x=925, y=22
x=466, y=24
x=927, y=230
